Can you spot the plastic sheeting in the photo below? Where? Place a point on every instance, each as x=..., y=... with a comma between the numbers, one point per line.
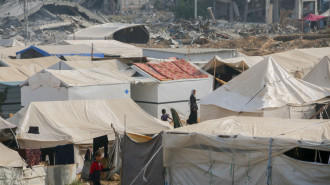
x=63, y=122
x=110, y=47
x=10, y=158
x=320, y=74
x=142, y=163
x=70, y=78
x=265, y=85
x=245, y=150
x=23, y=176
x=5, y=124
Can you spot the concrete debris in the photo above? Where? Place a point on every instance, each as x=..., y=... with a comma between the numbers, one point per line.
x=48, y=21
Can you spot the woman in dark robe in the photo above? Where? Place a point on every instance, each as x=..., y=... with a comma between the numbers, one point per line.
x=193, y=108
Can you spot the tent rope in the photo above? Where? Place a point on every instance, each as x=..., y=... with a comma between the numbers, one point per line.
x=210, y=168
x=145, y=167
x=247, y=170
x=269, y=167
x=232, y=169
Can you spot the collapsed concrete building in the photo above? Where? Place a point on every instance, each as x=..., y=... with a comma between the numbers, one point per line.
x=268, y=11
x=39, y=20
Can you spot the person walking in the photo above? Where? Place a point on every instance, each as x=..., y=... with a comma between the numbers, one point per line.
x=193, y=108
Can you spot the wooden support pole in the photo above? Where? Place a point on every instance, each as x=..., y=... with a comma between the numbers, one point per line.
x=214, y=69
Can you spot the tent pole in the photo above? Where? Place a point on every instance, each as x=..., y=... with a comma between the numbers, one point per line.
x=214, y=63
x=92, y=51
x=12, y=132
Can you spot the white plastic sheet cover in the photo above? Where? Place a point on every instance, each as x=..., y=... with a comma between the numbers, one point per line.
x=70, y=78
x=5, y=124
x=320, y=74
x=63, y=122
x=23, y=176
x=10, y=158
x=236, y=150
x=265, y=85
x=298, y=62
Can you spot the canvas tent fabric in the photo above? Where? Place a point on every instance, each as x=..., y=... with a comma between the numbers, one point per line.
x=264, y=86
x=11, y=74
x=79, y=121
x=5, y=124
x=59, y=50
x=10, y=52
x=240, y=150
x=237, y=64
x=110, y=47
x=112, y=67
x=10, y=42
x=147, y=159
x=10, y=158
x=71, y=78
x=43, y=62
x=298, y=62
x=128, y=33
x=320, y=74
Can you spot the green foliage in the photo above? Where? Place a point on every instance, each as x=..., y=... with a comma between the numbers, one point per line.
x=185, y=8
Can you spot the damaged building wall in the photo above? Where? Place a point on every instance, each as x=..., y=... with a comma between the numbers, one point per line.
x=262, y=10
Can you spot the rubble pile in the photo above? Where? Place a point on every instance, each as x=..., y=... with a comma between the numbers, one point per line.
x=47, y=22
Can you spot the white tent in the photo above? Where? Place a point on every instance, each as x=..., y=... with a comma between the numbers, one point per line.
x=110, y=47
x=265, y=90
x=239, y=64
x=5, y=124
x=12, y=166
x=43, y=62
x=55, y=85
x=79, y=121
x=10, y=42
x=247, y=150
x=320, y=75
x=298, y=62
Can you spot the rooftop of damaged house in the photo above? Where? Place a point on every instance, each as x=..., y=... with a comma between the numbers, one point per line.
x=164, y=92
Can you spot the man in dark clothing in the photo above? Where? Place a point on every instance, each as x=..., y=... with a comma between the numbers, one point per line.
x=96, y=169
x=193, y=108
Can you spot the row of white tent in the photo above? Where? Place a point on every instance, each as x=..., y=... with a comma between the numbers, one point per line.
x=198, y=146
x=228, y=150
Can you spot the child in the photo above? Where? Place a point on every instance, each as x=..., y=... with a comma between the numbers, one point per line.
x=96, y=168
x=165, y=116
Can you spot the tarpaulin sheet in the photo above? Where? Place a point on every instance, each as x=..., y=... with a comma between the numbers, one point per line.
x=312, y=17
x=142, y=162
